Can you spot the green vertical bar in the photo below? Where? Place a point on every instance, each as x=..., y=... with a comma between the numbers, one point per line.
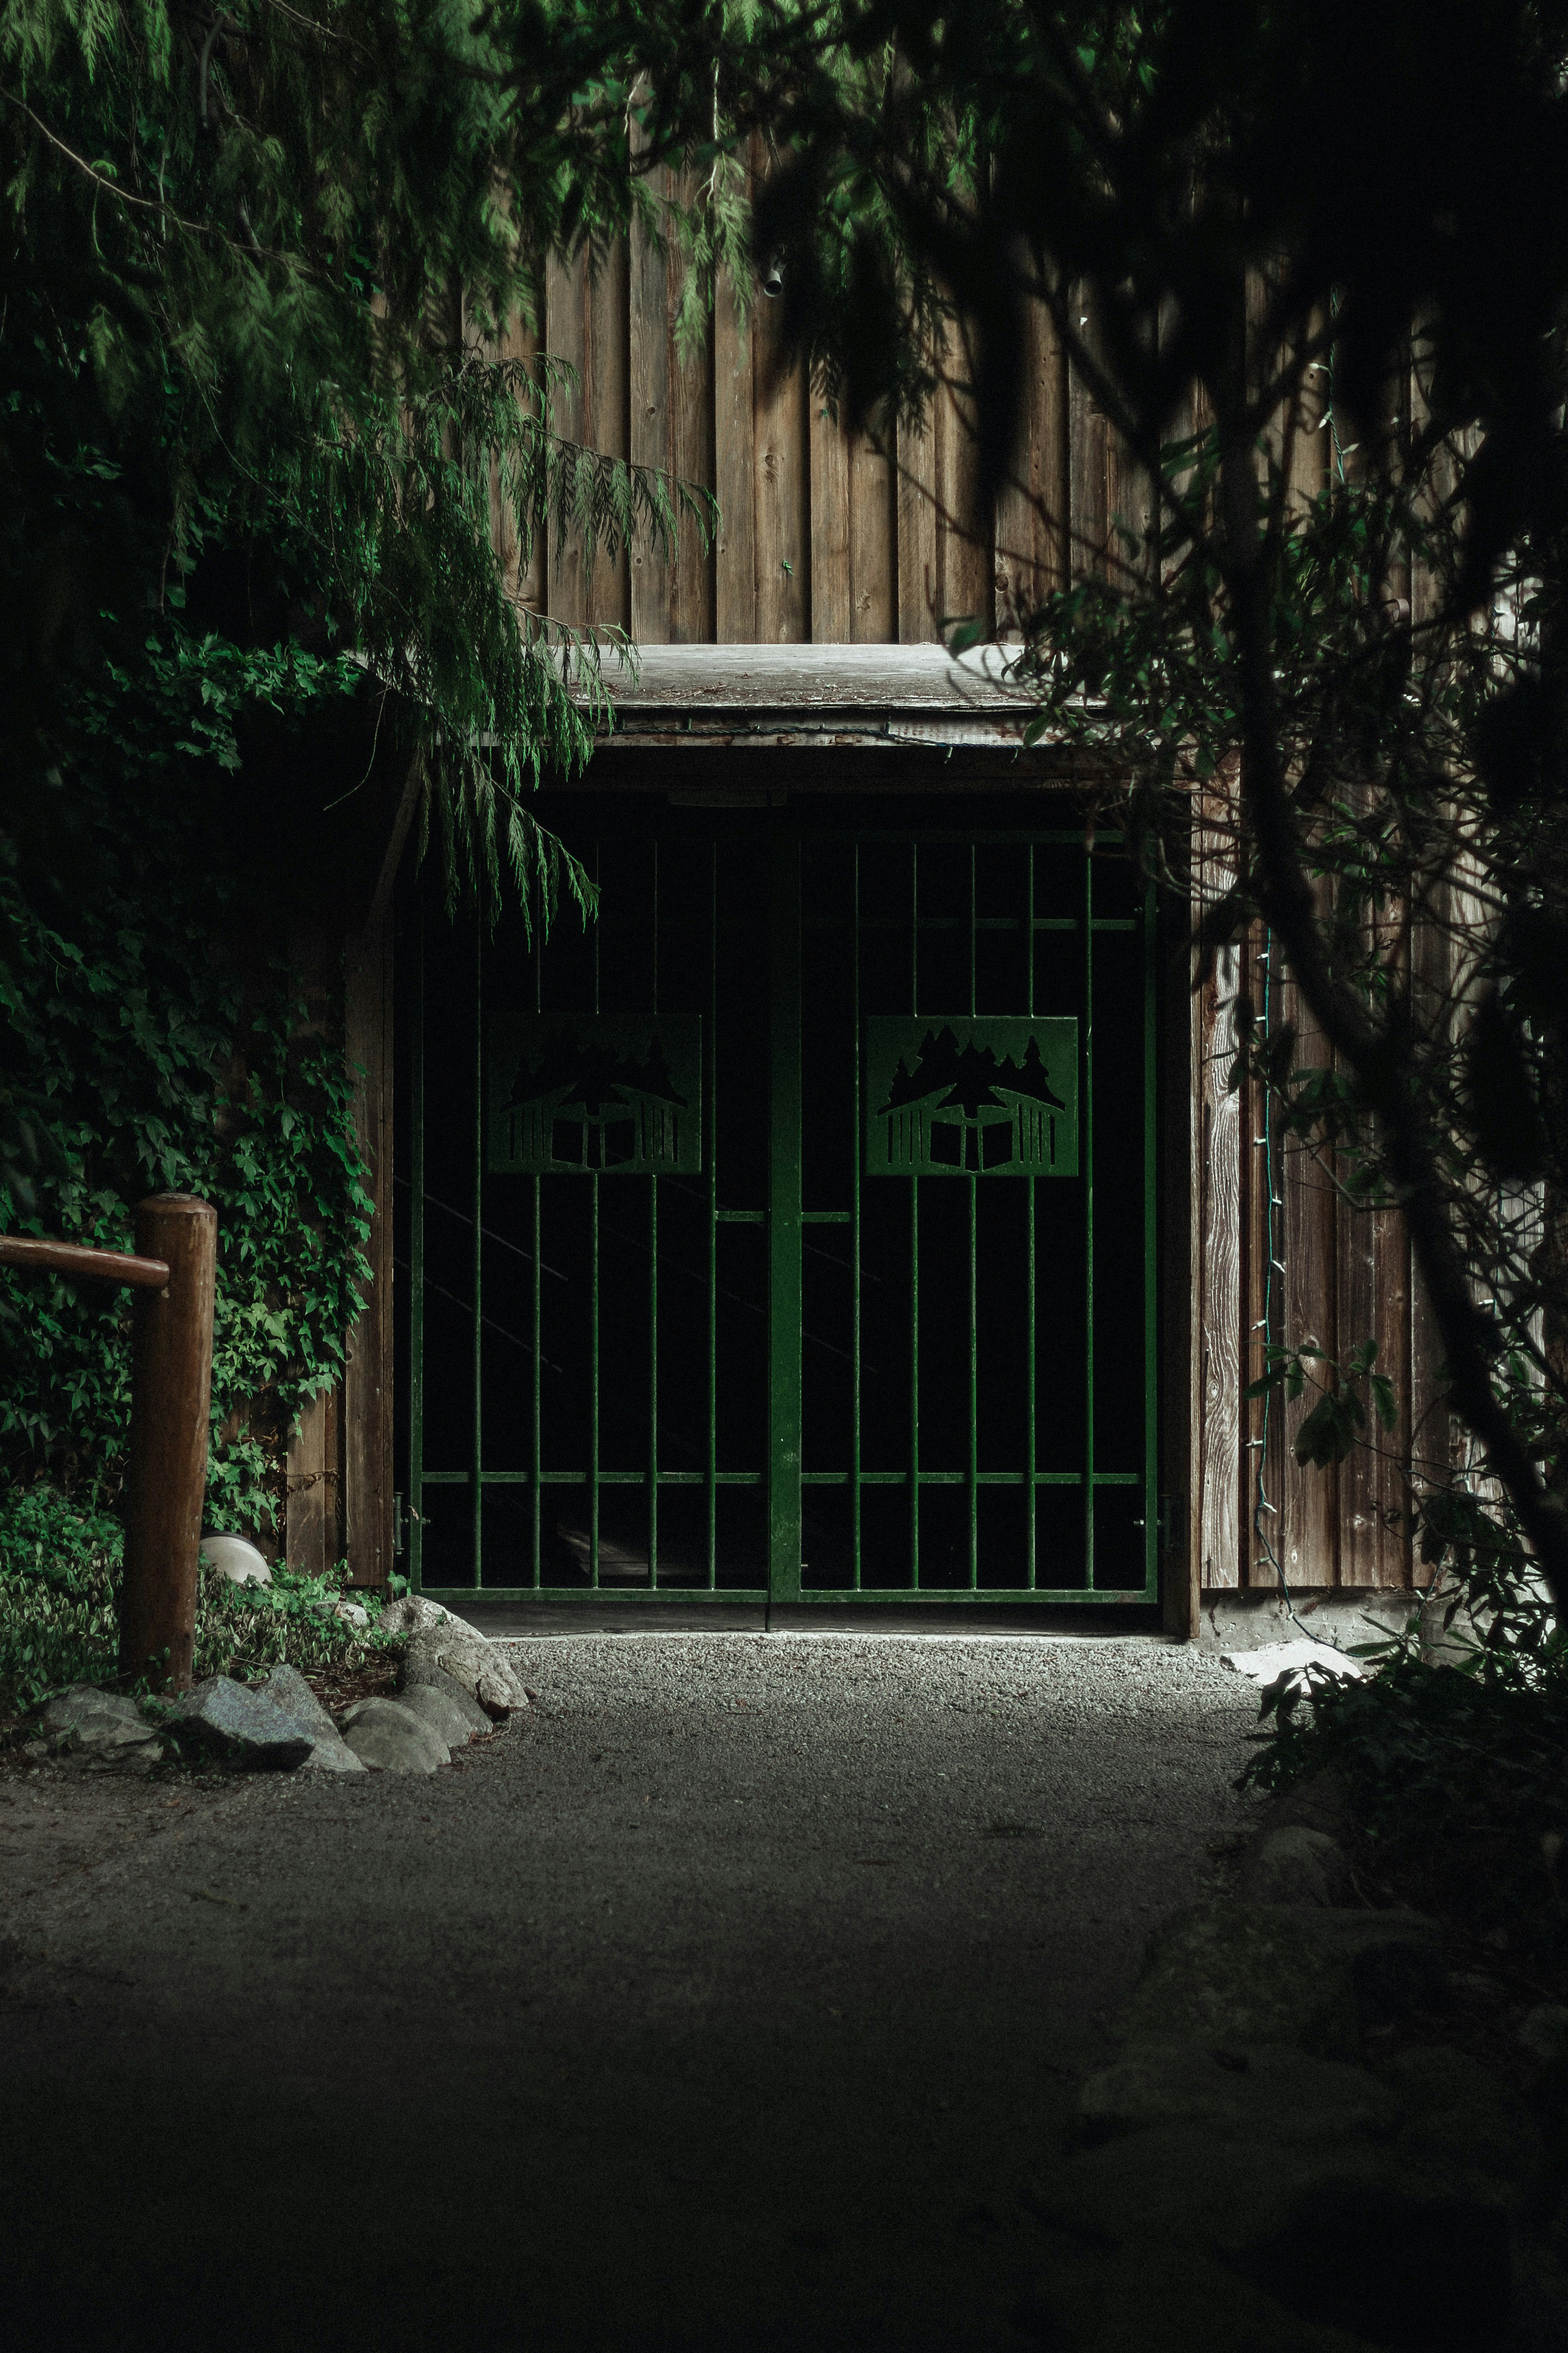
x=653, y=1288
x=536, y=1320
x=593, y=1455
x=536, y=1429
x=1086, y=1166
x=417, y=1267
x=1031, y=1494
x=478, y=1486
x=855, y=1151
x=711, y=1120
x=914, y=1250
x=974, y=1289
x=593, y=1461
x=784, y=1227
x=1151, y=1244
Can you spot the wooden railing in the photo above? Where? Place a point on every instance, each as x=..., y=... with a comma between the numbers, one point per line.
x=174, y=1275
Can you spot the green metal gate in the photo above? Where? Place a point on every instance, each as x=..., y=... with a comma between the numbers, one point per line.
x=788, y=1233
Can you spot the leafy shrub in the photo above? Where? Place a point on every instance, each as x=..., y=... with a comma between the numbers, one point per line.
x=59, y=1583
x=1457, y=1775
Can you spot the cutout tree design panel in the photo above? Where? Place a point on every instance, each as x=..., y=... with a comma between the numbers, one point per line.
x=948, y=1096
x=590, y=1094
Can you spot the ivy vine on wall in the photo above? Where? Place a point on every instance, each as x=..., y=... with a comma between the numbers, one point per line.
x=163, y=1041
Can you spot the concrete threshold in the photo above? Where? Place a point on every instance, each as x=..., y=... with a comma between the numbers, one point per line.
x=511, y=1619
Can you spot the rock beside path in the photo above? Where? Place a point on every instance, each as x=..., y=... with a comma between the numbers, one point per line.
x=438, y=1639
x=1297, y=1865
x=419, y=1673
x=247, y=1724
x=1243, y=1974
x=443, y=1711
x=390, y=1736
x=291, y=1695
x=101, y=1731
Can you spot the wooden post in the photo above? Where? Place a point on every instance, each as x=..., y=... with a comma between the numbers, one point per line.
x=170, y=1385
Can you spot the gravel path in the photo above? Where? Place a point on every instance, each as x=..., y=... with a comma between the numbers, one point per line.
x=728, y=1998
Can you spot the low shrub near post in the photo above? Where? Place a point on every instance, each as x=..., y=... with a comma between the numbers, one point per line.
x=59, y=1579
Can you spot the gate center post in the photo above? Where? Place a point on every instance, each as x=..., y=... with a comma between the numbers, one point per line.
x=784, y=1203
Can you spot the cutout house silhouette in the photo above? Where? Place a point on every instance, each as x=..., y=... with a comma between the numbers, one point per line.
x=961, y=1107
x=584, y=1102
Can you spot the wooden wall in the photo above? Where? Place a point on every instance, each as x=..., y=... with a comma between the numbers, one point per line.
x=1279, y=1254
x=824, y=539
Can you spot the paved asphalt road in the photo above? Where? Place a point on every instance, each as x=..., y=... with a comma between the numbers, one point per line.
x=729, y=1998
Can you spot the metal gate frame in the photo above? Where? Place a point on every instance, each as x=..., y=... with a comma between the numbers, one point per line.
x=786, y=1220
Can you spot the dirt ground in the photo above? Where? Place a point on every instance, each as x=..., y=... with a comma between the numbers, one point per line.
x=729, y=1997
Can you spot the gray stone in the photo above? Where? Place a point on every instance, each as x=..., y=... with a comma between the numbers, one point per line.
x=438, y=1639
x=419, y=1670
x=103, y=1730
x=333, y=1756
x=286, y=1689
x=1234, y=1975
x=441, y=1712
x=481, y=1667
x=237, y=1559
x=245, y=1726
x=1296, y=1865
x=386, y=1734
x=1269, y=2088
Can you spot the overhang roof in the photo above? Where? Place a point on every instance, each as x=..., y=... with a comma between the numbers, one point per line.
x=828, y=696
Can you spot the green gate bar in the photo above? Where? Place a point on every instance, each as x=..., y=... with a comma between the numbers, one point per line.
x=779, y=1475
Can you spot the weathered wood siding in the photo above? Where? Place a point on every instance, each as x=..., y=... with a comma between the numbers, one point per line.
x=824, y=539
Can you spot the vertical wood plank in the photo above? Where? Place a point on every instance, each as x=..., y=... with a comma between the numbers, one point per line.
x=919, y=583
x=367, y=1438
x=1373, y=1304
x=964, y=529
x=1031, y=522
x=672, y=428
x=1259, y=1503
x=781, y=485
x=525, y=580
x=1309, y=1499
x=832, y=529
x=735, y=571
x=1216, y=1444
x=873, y=545
x=1088, y=457
x=313, y=1540
x=586, y=321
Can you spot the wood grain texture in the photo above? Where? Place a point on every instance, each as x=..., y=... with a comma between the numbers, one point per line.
x=1030, y=532
x=965, y=524
x=671, y=429
x=1373, y=1284
x=832, y=528
x=873, y=545
x=368, y=1368
x=1309, y=1499
x=920, y=585
x=781, y=485
x=1089, y=458
x=1216, y=1250
x=171, y=1390
x=313, y=1540
x=525, y=576
x=735, y=561
x=586, y=315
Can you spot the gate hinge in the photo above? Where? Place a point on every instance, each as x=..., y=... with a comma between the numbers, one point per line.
x=1171, y=1523
x=399, y=1536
